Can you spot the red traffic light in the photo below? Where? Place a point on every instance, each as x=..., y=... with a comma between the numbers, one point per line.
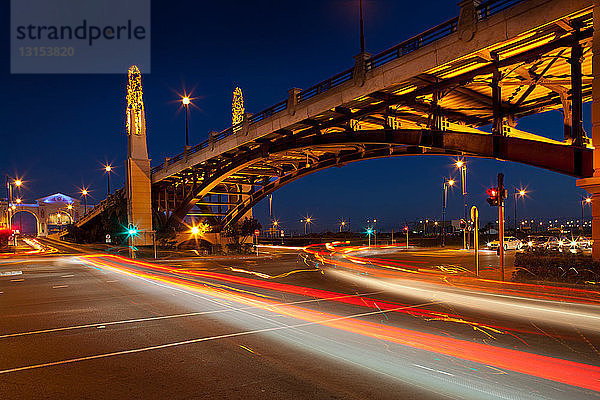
x=406, y=228
x=494, y=197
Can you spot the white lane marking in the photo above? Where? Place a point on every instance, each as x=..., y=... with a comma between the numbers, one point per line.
x=129, y=321
x=68, y=276
x=198, y=340
x=101, y=327
x=110, y=281
x=433, y=370
x=17, y=280
x=59, y=286
x=11, y=273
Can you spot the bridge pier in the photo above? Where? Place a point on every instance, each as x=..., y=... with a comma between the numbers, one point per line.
x=592, y=185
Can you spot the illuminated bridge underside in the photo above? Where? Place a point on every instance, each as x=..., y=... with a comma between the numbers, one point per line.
x=428, y=95
x=275, y=164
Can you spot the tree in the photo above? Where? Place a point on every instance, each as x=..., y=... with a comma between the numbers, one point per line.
x=242, y=230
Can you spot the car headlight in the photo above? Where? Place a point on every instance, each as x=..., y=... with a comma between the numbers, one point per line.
x=573, y=244
x=489, y=244
x=560, y=242
x=530, y=243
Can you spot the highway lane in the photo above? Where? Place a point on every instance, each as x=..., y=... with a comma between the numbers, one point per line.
x=248, y=328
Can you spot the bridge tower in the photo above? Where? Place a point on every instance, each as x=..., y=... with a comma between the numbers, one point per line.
x=139, y=210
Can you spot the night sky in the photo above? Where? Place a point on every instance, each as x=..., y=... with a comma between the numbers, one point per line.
x=58, y=130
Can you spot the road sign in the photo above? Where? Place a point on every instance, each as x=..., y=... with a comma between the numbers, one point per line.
x=108, y=238
x=474, y=213
x=257, y=232
x=282, y=233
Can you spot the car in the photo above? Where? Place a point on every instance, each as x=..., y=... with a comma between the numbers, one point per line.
x=583, y=242
x=533, y=242
x=553, y=243
x=510, y=243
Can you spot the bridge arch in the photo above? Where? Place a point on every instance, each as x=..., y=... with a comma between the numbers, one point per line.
x=30, y=212
x=294, y=157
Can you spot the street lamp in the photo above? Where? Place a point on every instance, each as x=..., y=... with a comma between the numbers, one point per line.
x=84, y=193
x=342, y=225
x=307, y=221
x=108, y=169
x=462, y=167
x=186, y=104
x=370, y=231
x=70, y=212
x=521, y=193
x=584, y=201
x=447, y=183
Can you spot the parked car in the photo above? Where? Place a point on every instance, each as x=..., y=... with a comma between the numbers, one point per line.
x=510, y=243
x=553, y=243
x=535, y=241
x=583, y=242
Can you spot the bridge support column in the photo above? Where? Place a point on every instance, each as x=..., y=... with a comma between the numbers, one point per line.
x=592, y=185
x=139, y=195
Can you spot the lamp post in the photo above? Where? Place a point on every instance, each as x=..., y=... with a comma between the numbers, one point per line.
x=584, y=201
x=18, y=183
x=186, y=105
x=518, y=192
x=84, y=193
x=108, y=169
x=447, y=182
x=462, y=167
x=342, y=225
x=306, y=221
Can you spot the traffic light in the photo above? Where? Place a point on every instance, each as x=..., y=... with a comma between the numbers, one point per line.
x=494, y=198
x=132, y=231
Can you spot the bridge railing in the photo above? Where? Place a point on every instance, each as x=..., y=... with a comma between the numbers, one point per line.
x=484, y=11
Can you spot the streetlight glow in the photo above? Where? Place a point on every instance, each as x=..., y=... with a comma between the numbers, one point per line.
x=18, y=200
x=18, y=182
x=108, y=168
x=195, y=230
x=451, y=182
x=588, y=199
x=185, y=100
x=84, y=192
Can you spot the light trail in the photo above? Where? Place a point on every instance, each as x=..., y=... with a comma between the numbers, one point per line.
x=546, y=367
x=512, y=306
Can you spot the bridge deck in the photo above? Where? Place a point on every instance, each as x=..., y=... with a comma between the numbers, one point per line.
x=531, y=38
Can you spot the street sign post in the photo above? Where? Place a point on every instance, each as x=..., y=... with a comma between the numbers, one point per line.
x=475, y=219
x=256, y=233
x=108, y=240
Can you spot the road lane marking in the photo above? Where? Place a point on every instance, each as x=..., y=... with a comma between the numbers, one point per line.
x=17, y=280
x=199, y=340
x=11, y=273
x=68, y=276
x=59, y=286
x=192, y=314
x=433, y=370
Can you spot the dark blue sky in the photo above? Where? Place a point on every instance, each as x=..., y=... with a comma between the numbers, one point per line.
x=57, y=130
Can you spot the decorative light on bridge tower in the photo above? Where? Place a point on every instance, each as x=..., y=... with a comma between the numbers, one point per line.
x=237, y=107
x=139, y=212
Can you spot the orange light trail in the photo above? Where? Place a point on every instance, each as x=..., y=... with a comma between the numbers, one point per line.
x=555, y=369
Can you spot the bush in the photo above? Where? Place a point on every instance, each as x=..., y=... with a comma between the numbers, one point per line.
x=546, y=265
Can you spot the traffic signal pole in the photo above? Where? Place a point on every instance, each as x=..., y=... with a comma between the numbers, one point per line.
x=501, y=220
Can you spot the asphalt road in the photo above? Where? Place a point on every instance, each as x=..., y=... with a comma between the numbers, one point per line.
x=272, y=327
